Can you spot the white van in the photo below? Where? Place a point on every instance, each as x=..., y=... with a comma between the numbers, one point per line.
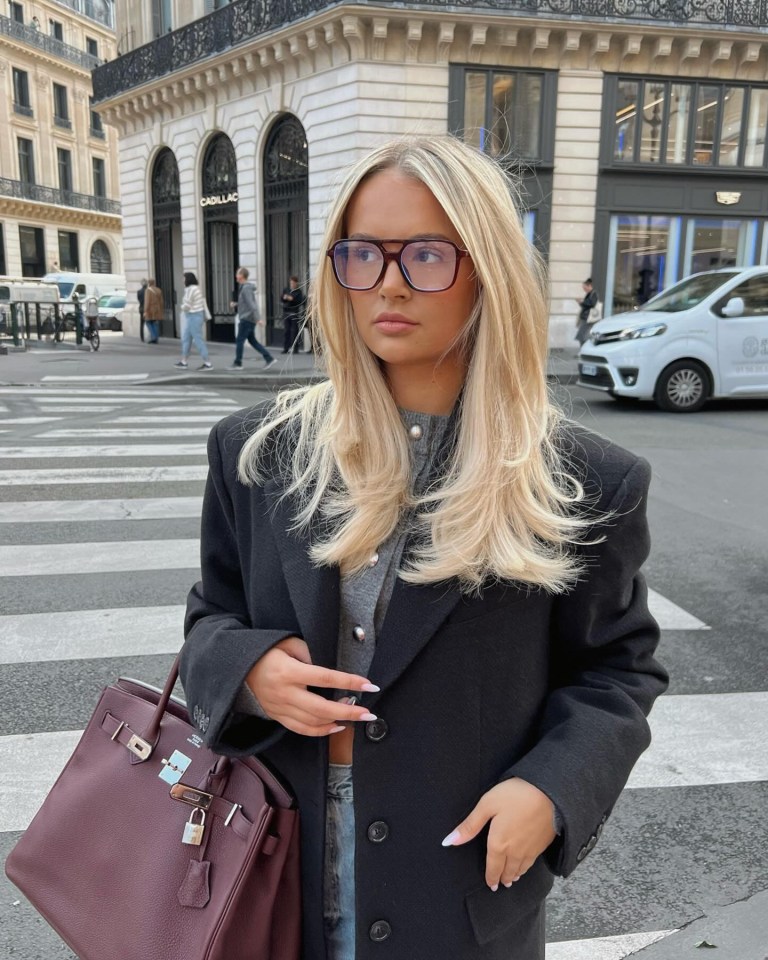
x=85, y=285
x=707, y=336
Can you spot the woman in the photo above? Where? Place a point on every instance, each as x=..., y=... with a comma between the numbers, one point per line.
x=194, y=311
x=420, y=596
x=154, y=311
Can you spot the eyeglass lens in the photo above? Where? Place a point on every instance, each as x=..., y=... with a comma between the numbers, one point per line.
x=427, y=264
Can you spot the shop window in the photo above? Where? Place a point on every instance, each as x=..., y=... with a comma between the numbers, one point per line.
x=32, y=249
x=641, y=259
x=101, y=259
x=703, y=124
x=99, y=178
x=61, y=106
x=26, y=151
x=64, y=162
x=21, y=102
x=715, y=242
x=68, y=255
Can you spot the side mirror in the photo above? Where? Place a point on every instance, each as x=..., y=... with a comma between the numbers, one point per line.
x=733, y=308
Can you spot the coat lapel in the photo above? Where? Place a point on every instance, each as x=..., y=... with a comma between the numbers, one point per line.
x=314, y=591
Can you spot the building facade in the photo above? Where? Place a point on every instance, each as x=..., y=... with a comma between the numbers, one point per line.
x=58, y=162
x=637, y=131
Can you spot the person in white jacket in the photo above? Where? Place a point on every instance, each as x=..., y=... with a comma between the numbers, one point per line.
x=193, y=309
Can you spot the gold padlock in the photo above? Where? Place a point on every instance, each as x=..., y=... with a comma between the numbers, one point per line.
x=193, y=832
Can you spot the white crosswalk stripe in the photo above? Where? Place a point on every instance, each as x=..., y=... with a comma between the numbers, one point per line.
x=144, y=534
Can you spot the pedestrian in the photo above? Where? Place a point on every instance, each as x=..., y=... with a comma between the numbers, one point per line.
x=248, y=316
x=584, y=321
x=79, y=315
x=194, y=311
x=293, y=308
x=141, y=296
x=420, y=597
x=154, y=310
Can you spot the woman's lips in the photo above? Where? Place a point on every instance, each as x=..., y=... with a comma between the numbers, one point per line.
x=393, y=323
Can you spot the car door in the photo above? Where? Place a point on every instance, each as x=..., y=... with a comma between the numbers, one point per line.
x=742, y=341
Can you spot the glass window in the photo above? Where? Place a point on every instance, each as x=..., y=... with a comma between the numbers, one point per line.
x=99, y=178
x=680, y=99
x=64, y=158
x=26, y=160
x=101, y=260
x=508, y=123
x=474, y=109
x=689, y=292
x=757, y=119
x=97, y=128
x=715, y=242
x=68, y=258
x=32, y=249
x=706, y=124
x=161, y=17
x=641, y=247
x=3, y=271
x=21, y=90
x=56, y=29
x=60, y=105
x=92, y=46
x=652, y=123
x=754, y=293
x=17, y=12
x=730, y=126
x=626, y=119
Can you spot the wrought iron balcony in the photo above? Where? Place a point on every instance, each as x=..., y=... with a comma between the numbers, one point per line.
x=244, y=20
x=23, y=109
x=60, y=198
x=52, y=46
x=63, y=122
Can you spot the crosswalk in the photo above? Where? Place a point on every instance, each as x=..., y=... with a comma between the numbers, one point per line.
x=120, y=532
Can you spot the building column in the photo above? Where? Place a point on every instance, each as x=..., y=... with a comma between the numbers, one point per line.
x=574, y=198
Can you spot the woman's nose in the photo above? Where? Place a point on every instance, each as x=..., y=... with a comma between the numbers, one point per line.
x=393, y=282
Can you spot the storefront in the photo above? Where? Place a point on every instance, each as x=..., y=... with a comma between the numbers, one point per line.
x=219, y=204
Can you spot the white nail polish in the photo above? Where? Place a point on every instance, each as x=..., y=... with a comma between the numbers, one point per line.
x=370, y=688
x=451, y=839
x=495, y=887
x=367, y=716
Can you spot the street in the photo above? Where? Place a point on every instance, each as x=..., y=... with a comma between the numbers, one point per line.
x=100, y=487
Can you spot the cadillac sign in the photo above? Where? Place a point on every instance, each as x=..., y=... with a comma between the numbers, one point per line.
x=727, y=197
x=221, y=198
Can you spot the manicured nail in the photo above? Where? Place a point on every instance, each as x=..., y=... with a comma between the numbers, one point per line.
x=495, y=887
x=451, y=839
x=336, y=729
x=508, y=883
x=370, y=688
x=367, y=716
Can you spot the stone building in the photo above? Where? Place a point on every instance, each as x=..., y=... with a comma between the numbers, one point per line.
x=58, y=162
x=637, y=129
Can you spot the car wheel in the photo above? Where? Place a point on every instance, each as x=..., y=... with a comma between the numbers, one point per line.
x=683, y=387
x=115, y=325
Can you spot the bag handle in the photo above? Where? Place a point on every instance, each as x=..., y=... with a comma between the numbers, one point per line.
x=143, y=747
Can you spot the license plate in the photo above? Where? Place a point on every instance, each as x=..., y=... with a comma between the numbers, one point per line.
x=589, y=369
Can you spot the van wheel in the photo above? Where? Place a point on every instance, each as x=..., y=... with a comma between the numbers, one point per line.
x=682, y=388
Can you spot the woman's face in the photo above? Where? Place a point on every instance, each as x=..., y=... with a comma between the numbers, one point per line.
x=407, y=330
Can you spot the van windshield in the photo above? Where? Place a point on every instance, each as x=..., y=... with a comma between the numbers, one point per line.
x=688, y=293
x=65, y=289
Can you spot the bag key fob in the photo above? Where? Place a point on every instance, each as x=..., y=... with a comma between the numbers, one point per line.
x=193, y=832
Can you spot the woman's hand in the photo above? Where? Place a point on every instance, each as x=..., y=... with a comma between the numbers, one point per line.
x=279, y=682
x=522, y=827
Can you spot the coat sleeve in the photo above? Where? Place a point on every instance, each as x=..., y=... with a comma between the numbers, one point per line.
x=604, y=680
x=221, y=642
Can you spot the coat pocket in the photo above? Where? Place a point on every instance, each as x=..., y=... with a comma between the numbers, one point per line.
x=492, y=914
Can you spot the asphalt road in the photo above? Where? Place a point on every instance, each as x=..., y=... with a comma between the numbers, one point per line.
x=668, y=852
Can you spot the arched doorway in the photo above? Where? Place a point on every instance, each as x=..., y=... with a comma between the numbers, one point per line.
x=286, y=215
x=101, y=258
x=219, y=202
x=166, y=230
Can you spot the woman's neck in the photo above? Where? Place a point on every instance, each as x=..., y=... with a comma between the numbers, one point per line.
x=426, y=391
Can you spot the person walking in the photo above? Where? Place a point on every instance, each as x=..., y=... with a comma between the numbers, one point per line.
x=193, y=311
x=154, y=311
x=586, y=305
x=248, y=317
x=293, y=308
x=421, y=599
x=141, y=296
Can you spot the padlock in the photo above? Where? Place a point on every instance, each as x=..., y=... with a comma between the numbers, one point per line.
x=193, y=832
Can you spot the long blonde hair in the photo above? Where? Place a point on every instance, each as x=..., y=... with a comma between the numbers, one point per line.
x=504, y=505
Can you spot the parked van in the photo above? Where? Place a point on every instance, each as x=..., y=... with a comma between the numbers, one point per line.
x=704, y=337
x=85, y=285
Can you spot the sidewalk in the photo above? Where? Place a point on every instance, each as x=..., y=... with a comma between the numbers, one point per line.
x=122, y=358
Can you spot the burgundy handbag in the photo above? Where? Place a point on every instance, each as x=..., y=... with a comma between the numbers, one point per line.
x=151, y=847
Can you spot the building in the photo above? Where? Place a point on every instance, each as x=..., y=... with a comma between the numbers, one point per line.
x=638, y=130
x=58, y=162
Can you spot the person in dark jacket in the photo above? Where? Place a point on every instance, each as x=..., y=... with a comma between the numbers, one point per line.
x=247, y=317
x=140, y=296
x=421, y=599
x=585, y=309
x=293, y=309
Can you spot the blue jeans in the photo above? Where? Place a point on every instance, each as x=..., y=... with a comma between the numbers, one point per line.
x=150, y=326
x=339, y=882
x=192, y=332
x=245, y=332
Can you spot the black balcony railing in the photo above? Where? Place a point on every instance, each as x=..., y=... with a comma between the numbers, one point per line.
x=60, y=198
x=98, y=132
x=23, y=109
x=244, y=20
x=63, y=122
x=52, y=46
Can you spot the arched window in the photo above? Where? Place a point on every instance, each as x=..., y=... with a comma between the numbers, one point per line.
x=101, y=259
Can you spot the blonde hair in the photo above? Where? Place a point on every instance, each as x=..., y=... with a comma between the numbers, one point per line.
x=503, y=506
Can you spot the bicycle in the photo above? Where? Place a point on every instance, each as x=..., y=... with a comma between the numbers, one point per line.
x=64, y=324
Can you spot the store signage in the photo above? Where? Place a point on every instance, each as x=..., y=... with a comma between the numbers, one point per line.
x=727, y=197
x=219, y=199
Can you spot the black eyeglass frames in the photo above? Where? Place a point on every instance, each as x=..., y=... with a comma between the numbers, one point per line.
x=429, y=266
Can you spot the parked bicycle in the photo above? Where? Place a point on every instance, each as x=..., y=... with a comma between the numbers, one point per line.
x=64, y=325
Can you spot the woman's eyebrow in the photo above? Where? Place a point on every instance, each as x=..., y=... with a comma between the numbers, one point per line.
x=416, y=236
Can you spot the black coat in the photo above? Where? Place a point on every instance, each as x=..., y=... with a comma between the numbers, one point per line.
x=553, y=689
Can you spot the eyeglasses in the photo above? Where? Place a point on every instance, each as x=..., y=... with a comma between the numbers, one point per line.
x=428, y=266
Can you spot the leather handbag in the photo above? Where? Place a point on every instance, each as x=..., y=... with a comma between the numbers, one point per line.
x=151, y=847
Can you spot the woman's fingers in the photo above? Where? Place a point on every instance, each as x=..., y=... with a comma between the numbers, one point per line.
x=313, y=676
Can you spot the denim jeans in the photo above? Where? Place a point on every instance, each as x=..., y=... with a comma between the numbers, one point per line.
x=245, y=331
x=151, y=328
x=192, y=332
x=339, y=885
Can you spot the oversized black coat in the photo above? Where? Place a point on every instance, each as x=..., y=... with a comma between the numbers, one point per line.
x=517, y=683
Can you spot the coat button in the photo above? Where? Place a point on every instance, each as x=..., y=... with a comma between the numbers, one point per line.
x=376, y=730
x=378, y=831
x=379, y=931
x=358, y=633
x=416, y=432
x=581, y=854
x=591, y=844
